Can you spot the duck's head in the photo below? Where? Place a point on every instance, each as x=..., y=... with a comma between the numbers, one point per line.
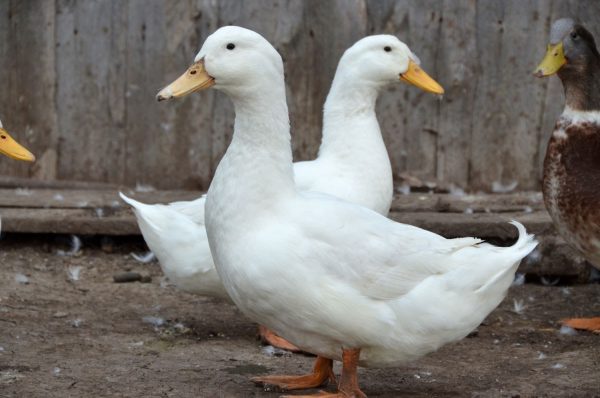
x=12, y=149
x=570, y=49
x=383, y=59
x=232, y=59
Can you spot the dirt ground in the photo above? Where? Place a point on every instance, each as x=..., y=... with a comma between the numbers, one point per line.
x=92, y=337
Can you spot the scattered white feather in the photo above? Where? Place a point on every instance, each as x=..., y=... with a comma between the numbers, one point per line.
x=558, y=366
x=144, y=188
x=275, y=352
x=455, y=190
x=518, y=306
x=136, y=344
x=143, y=257
x=527, y=209
x=22, y=279
x=115, y=203
x=99, y=212
x=534, y=257
x=74, y=273
x=56, y=371
x=58, y=197
x=417, y=376
x=519, y=279
x=496, y=341
x=75, y=247
x=23, y=192
x=569, y=331
x=468, y=210
x=548, y=282
x=404, y=189
x=153, y=320
x=76, y=322
x=498, y=187
x=164, y=282
x=166, y=127
x=180, y=327
x=541, y=356
x=82, y=203
x=1, y=348
x=566, y=291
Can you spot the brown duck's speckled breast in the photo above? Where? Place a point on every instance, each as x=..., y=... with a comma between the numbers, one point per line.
x=572, y=185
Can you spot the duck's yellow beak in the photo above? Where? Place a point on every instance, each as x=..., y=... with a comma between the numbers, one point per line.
x=12, y=149
x=552, y=62
x=417, y=77
x=194, y=79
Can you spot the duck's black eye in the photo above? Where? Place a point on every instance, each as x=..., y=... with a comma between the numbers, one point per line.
x=230, y=46
x=387, y=49
x=574, y=35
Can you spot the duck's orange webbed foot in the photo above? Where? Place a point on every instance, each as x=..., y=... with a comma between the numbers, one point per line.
x=590, y=324
x=348, y=387
x=324, y=394
x=321, y=374
x=269, y=337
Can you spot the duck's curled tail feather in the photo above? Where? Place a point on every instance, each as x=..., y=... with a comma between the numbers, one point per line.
x=512, y=258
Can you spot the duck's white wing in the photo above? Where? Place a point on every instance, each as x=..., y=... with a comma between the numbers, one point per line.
x=193, y=209
x=383, y=259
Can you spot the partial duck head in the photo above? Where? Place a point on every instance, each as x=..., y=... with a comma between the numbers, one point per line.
x=380, y=60
x=234, y=60
x=573, y=56
x=12, y=149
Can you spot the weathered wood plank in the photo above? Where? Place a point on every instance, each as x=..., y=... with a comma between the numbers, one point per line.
x=168, y=144
x=457, y=71
x=522, y=202
x=91, y=57
x=28, y=76
x=508, y=100
x=100, y=212
x=79, y=80
x=120, y=221
x=85, y=199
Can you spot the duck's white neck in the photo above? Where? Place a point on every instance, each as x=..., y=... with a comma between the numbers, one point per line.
x=257, y=166
x=349, y=118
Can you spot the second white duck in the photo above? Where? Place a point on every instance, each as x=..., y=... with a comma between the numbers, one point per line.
x=352, y=164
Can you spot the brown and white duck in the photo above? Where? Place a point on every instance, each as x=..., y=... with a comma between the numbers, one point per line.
x=571, y=183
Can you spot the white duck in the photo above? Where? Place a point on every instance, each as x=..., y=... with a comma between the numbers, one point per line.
x=12, y=149
x=353, y=164
x=337, y=279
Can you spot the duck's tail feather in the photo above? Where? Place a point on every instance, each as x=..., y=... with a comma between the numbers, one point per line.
x=139, y=209
x=525, y=243
x=132, y=202
x=522, y=247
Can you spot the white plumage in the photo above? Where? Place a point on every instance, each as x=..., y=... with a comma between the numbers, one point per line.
x=352, y=164
x=324, y=273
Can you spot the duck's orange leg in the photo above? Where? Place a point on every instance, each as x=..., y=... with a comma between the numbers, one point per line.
x=590, y=324
x=348, y=387
x=321, y=374
x=267, y=336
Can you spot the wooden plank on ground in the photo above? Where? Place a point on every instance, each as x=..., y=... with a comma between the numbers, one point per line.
x=85, y=199
x=101, y=212
x=120, y=221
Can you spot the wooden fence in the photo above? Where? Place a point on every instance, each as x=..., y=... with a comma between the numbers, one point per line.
x=79, y=78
